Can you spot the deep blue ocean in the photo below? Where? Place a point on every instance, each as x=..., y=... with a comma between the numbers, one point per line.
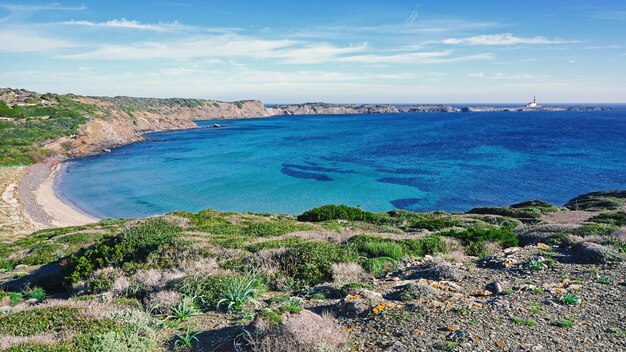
x=419, y=162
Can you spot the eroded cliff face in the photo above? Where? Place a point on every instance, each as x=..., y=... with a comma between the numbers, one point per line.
x=124, y=120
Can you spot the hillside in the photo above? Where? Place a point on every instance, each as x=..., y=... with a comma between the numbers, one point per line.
x=531, y=276
x=36, y=126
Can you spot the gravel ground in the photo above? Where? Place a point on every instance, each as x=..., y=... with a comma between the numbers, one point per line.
x=524, y=317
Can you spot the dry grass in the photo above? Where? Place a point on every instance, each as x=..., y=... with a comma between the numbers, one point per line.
x=438, y=268
x=303, y=332
x=13, y=225
x=162, y=302
x=7, y=341
x=345, y=273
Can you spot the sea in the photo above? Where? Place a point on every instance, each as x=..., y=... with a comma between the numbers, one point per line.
x=451, y=162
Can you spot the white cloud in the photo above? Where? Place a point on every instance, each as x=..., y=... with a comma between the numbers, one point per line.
x=504, y=39
x=130, y=24
x=433, y=57
x=233, y=46
x=504, y=76
x=476, y=75
x=21, y=11
x=218, y=46
x=21, y=40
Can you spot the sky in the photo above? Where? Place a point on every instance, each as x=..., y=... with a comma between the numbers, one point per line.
x=341, y=51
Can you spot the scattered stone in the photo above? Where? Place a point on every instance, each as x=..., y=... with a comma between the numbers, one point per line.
x=494, y=287
x=419, y=290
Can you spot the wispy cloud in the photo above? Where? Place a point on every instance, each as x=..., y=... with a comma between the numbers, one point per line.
x=23, y=40
x=286, y=51
x=504, y=39
x=131, y=24
x=433, y=57
x=18, y=12
x=504, y=76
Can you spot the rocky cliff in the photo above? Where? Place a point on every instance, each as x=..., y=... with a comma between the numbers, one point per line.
x=124, y=120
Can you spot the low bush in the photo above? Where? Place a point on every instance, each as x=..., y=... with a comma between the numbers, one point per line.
x=154, y=244
x=209, y=291
x=603, y=229
x=381, y=249
x=380, y=266
x=475, y=239
x=617, y=219
x=311, y=263
x=341, y=212
x=372, y=247
x=54, y=320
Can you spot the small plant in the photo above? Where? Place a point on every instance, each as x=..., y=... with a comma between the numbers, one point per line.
x=536, y=264
x=186, y=339
x=37, y=293
x=569, y=299
x=185, y=309
x=604, y=280
x=529, y=322
x=15, y=298
x=379, y=266
x=536, y=308
x=446, y=346
x=238, y=292
x=618, y=331
x=292, y=305
x=565, y=323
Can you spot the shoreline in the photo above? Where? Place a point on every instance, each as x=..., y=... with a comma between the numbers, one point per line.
x=40, y=202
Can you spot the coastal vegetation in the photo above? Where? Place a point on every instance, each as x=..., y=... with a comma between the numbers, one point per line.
x=322, y=281
x=26, y=128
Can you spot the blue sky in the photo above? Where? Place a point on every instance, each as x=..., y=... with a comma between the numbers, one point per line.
x=398, y=51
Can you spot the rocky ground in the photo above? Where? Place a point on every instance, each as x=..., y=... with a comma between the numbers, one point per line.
x=517, y=278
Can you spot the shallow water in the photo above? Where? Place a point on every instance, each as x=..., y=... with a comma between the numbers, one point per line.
x=419, y=162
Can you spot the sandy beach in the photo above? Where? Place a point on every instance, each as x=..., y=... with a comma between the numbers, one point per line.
x=41, y=206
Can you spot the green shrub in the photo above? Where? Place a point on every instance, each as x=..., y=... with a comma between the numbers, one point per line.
x=433, y=223
x=21, y=140
x=54, y=320
x=617, y=219
x=372, y=247
x=340, y=212
x=477, y=249
x=501, y=235
x=154, y=244
x=381, y=249
x=286, y=242
x=237, y=292
x=80, y=238
x=310, y=263
x=596, y=230
x=379, y=266
x=41, y=253
x=210, y=290
x=274, y=228
x=37, y=293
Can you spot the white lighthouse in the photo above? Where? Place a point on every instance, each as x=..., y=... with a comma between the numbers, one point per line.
x=533, y=104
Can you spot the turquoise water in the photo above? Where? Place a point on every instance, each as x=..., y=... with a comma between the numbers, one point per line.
x=420, y=162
